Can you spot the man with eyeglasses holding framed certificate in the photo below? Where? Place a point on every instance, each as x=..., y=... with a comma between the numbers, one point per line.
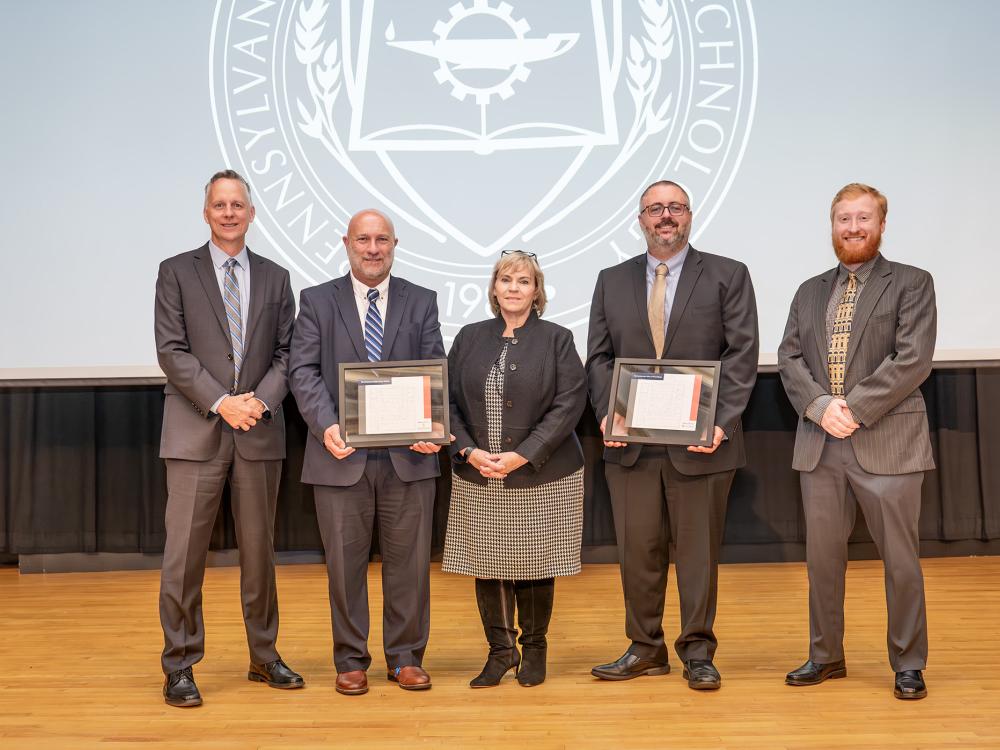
x=672, y=302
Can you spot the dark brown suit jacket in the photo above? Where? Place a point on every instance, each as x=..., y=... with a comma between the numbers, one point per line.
x=713, y=317
x=195, y=352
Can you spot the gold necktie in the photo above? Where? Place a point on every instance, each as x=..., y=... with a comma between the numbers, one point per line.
x=657, y=300
x=837, y=358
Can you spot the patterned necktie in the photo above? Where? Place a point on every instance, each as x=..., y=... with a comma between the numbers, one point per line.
x=232, y=299
x=373, y=328
x=837, y=357
x=657, y=300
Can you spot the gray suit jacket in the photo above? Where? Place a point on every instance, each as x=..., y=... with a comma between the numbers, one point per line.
x=195, y=352
x=328, y=332
x=889, y=355
x=714, y=317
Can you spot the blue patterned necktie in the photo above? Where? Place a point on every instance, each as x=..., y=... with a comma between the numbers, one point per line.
x=373, y=328
x=232, y=299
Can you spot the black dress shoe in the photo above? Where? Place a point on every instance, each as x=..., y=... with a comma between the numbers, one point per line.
x=179, y=689
x=813, y=673
x=701, y=674
x=276, y=674
x=910, y=685
x=630, y=666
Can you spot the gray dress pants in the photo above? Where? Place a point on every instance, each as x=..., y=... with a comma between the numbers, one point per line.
x=194, y=489
x=346, y=516
x=891, y=506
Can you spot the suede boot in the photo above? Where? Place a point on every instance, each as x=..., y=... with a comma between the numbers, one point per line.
x=496, y=609
x=534, y=610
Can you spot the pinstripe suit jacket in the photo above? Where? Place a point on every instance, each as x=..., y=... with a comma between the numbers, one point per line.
x=195, y=352
x=889, y=355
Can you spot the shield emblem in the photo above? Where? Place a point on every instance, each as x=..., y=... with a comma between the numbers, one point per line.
x=486, y=94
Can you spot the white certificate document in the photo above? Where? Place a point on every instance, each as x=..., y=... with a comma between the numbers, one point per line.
x=666, y=401
x=397, y=405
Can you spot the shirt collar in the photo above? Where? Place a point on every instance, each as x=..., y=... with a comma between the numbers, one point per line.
x=674, y=263
x=361, y=290
x=863, y=271
x=219, y=258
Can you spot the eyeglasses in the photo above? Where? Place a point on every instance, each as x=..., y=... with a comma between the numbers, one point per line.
x=525, y=253
x=657, y=209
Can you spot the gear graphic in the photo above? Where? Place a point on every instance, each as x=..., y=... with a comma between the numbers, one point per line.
x=444, y=74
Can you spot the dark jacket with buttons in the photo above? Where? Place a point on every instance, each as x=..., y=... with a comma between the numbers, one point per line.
x=544, y=393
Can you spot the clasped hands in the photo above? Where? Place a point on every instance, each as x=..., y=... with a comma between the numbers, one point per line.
x=495, y=465
x=838, y=419
x=335, y=444
x=619, y=429
x=242, y=411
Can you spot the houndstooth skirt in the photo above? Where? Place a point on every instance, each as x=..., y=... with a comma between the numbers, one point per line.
x=513, y=533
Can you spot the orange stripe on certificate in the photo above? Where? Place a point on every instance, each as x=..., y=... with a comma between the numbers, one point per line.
x=427, y=396
x=695, y=398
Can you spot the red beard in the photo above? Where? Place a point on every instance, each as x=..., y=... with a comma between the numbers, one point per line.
x=849, y=254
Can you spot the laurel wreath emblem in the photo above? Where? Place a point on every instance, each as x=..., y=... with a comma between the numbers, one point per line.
x=322, y=64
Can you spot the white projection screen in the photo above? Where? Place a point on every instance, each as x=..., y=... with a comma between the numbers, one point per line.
x=478, y=126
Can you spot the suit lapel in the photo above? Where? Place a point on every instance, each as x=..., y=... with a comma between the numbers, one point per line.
x=258, y=283
x=878, y=281
x=639, y=294
x=397, y=301
x=343, y=297
x=820, y=302
x=210, y=282
x=690, y=272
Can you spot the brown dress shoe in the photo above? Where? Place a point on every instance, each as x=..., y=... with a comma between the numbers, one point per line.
x=411, y=678
x=354, y=682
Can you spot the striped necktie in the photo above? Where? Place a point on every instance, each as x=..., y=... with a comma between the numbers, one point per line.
x=232, y=299
x=841, y=336
x=373, y=328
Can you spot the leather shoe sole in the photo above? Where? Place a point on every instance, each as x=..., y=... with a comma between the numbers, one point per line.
x=834, y=674
x=255, y=677
x=182, y=702
x=351, y=691
x=618, y=676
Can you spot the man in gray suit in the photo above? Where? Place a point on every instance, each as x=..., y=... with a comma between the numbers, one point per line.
x=368, y=316
x=858, y=344
x=672, y=302
x=223, y=322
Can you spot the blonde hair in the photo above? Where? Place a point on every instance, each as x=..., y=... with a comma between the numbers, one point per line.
x=518, y=260
x=856, y=190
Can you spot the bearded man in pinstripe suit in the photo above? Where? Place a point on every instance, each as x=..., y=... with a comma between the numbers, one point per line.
x=858, y=344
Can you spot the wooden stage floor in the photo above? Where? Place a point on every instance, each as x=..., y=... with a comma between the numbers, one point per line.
x=80, y=660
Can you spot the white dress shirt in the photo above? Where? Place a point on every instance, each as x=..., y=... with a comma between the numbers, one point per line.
x=361, y=299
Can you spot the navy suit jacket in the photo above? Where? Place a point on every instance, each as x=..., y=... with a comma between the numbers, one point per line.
x=327, y=333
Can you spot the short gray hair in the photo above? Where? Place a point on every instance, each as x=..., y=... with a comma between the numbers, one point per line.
x=229, y=174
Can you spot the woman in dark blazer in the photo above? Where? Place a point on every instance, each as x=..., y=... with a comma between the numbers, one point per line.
x=518, y=389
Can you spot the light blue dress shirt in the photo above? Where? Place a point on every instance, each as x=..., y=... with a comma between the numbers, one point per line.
x=674, y=266
x=242, y=273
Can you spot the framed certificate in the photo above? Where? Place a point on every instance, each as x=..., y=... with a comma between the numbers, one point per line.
x=394, y=403
x=663, y=402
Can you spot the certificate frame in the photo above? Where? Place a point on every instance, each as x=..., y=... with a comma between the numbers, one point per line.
x=354, y=377
x=628, y=372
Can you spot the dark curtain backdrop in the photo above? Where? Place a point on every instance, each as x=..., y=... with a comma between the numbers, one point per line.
x=79, y=472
